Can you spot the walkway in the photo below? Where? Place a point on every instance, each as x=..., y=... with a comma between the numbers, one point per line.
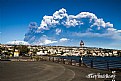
x=46, y=71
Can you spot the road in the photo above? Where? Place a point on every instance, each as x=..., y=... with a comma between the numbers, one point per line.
x=45, y=71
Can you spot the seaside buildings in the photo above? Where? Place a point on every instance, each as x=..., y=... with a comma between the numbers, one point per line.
x=33, y=50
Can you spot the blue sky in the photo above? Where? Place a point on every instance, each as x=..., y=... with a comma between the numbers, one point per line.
x=18, y=16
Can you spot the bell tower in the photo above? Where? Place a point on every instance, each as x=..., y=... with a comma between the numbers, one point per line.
x=81, y=44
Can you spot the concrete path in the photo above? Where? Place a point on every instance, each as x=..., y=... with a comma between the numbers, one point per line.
x=46, y=71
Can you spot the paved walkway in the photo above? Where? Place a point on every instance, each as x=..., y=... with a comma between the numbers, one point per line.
x=46, y=71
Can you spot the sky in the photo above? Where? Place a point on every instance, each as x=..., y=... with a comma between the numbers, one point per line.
x=61, y=22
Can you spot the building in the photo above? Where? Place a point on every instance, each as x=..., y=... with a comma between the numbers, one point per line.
x=16, y=53
x=81, y=44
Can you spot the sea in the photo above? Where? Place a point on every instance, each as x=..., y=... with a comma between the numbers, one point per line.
x=98, y=62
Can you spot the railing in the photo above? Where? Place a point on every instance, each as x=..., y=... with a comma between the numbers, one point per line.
x=98, y=64
x=105, y=65
x=61, y=60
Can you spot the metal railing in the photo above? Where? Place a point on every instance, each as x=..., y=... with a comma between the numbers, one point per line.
x=97, y=64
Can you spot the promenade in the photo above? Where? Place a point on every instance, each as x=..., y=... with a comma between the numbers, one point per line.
x=47, y=71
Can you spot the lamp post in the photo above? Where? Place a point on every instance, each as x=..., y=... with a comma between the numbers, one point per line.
x=82, y=50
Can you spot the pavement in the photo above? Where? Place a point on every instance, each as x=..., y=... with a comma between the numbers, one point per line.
x=48, y=71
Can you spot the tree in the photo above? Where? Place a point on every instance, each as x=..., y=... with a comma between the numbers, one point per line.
x=23, y=50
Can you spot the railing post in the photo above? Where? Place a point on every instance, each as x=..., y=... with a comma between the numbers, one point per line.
x=63, y=61
x=58, y=60
x=49, y=58
x=71, y=62
x=53, y=59
x=80, y=62
x=91, y=63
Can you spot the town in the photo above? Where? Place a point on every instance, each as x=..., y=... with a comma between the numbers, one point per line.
x=36, y=50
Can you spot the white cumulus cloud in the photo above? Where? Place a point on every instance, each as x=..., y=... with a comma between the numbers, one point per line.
x=62, y=18
x=18, y=43
x=101, y=23
x=44, y=40
x=60, y=25
x=58, y=31
x=60, y=14
x=63, y=39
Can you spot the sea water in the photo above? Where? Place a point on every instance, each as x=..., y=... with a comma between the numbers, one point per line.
x=98, y=62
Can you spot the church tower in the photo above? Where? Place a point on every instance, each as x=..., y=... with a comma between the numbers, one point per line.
x=81, y=44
